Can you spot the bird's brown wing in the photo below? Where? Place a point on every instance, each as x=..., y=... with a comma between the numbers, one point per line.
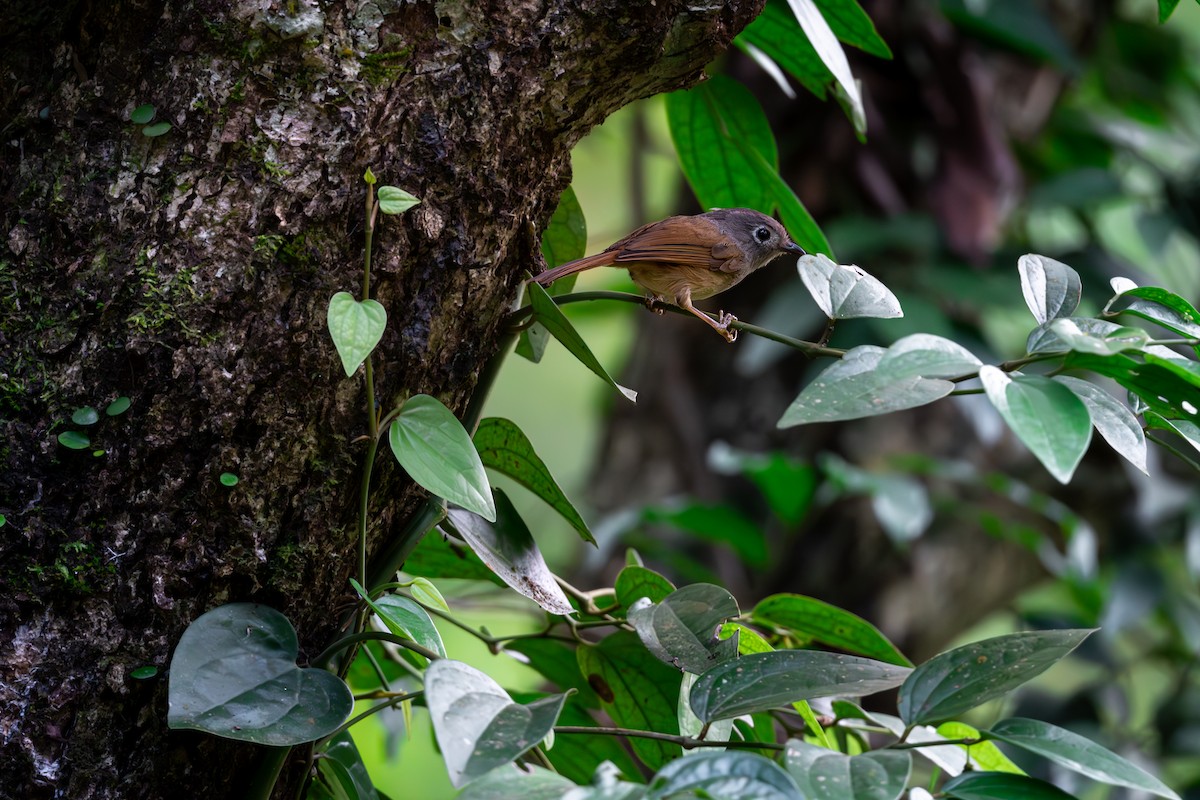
x=656, y=243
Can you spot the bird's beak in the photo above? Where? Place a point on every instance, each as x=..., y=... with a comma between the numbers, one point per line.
x=792, y=247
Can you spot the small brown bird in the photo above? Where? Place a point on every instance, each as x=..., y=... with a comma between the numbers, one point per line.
x=691, y=258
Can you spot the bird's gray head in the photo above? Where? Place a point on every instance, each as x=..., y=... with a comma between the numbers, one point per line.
x=760, y=238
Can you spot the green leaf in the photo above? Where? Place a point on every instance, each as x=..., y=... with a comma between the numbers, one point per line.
x=826, y=45
x=853, y=27
x=718, y=523
x=355, y=327
x=85, y=416
x=961, y=679
x=635, y=582
x=776, y=33
x=636, y=690
x=503, y=784
x=1044, y=339
x=764, y=681
x=546, y=312
x=143, y=673
x=1051, y=288
x=1163, y=308
x=788, y=484
x=1165, y=9
x=234, y=675
x=1115, y=422
x=142, y=114
x=117, y=407
x=228, y=479
x=681, y=630
x=156, y=130
x=869, y=381
x=504, y=447
x=1068, y=332
x=427, y=594
x=369, y=177
x=75, y=440
x=556, y=662
x=565, y=239
x=1167, y=386
x=478, y=726
x=344, y=766
x=949, y=758
x=1190, y=431
x=508, y=549
x=395, y=201
x=984, y=755
x=846, y=291
x=748, y=640
x=1047, y=416
x=729, y=775
x=1076, y=753
x=404, y=618
x=438, y=556
x=818, y=621
x=436, y=452
x=706, y=123
x=1001, y=786
x=826, y=775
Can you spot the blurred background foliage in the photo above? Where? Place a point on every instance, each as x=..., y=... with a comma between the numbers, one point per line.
x=1065, y=128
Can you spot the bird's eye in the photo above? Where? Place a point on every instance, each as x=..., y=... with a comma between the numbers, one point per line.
x=762, y=233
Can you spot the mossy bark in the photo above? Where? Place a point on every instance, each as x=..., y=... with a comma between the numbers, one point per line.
x=190, y=272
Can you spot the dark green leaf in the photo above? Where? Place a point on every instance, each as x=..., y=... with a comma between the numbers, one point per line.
x=1190, y=431
x=478, y=727
x=393, y=200
x=143, y=673
x=682, y=629
x=1046, y=416
x=828, y=775
x=404, y=618
x=1019, y=24
x=556, y=662
x=1166, y=386
x=355, y=327
x=234, y=675
x=852, y=25
x=1164, y=308
x=118, y=406
x=1001, y=786
x=1165, y=9
x=635, y=582
x=565, y=239
x=85, y=416
x=818, y=621
x=1051, y=288
x=776, y=32
x=508, y=549
x=548, y=314
x=965, y=677
x=436, y=452
x=438, y=556
x=763, y=681
x=730, y=775
x=347, y=768
x=142, y=114
x=504, y=447
x=157, y=129
x=825, y=43
x=706, y=124
x=503, y=784
x=1076, y=753
x=637, y=691
x=75, y=440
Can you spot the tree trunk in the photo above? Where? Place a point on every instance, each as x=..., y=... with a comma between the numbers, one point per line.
x=190, y=272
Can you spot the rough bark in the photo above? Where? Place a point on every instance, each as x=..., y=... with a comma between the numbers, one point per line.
x=190, y=272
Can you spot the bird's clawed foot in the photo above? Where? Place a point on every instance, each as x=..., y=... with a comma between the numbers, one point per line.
x=724, y=320
x=655, y=304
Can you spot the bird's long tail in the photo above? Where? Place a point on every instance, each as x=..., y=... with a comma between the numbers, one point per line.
x=604, y=259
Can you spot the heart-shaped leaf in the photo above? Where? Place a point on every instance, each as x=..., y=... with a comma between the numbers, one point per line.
x=508, y=549
x=682, y=629
x=824, y=774
x=234, y=675
x=436, y=452
x=635, y=582
x=846, y=291
x=142, y=114
x=1046, y=416
x=1051, y=288
x=763, y=681
x=1001, y=786
x=1076, y=753
x=355, y=327
x=961, y=679
x=393, y=200
x=477, y=724
x=731, y=775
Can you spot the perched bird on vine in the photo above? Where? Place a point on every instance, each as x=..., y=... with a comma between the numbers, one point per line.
x=688, y=258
